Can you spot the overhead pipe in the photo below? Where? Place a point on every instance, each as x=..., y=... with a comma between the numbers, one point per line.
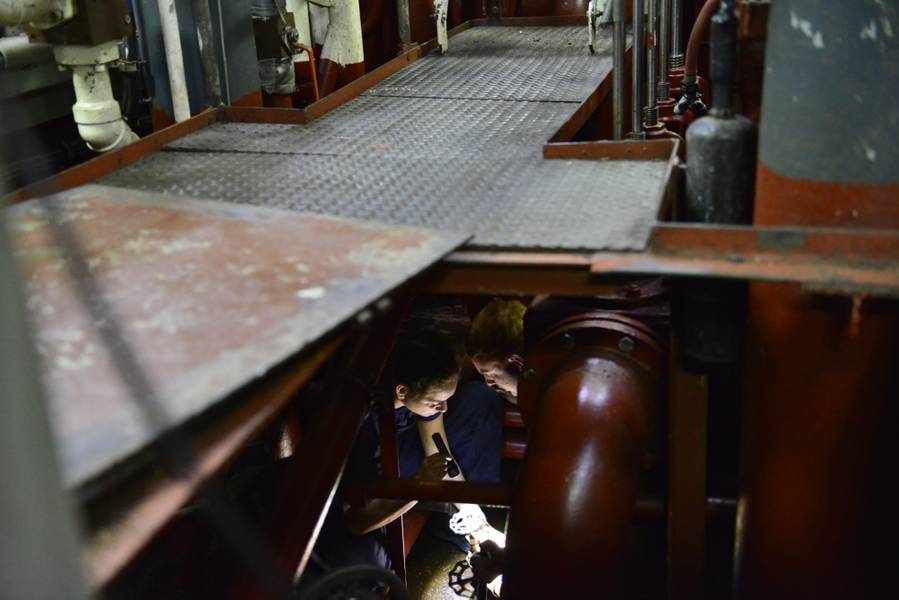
x=19, y=12
x=19, y=53
x=174, y=59
x=594, y=381
x=619, y=42
x=639, y=65
x=691, y=98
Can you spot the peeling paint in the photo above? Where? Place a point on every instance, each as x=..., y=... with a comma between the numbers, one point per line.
x=807, y=29
x=313, y=293
x=182, y=245
x=870, y=152
x=79, y=363
x=869, y=31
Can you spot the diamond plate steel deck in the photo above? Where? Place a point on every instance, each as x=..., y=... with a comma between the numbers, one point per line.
x=452, y=142
x=508, y=63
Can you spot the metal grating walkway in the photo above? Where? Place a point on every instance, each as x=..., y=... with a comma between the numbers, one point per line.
x=451, y=142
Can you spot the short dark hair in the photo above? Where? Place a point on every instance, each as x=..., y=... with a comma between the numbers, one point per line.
x=420, y=361
x=498, y=330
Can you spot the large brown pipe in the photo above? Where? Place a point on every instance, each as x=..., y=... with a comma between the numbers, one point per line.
x=577, y=488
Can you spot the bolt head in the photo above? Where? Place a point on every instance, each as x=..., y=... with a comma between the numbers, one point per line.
x=528, y=373
x=568, y=342
x=626, y=345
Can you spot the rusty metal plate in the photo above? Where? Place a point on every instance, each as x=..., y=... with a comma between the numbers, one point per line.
x=210, y=296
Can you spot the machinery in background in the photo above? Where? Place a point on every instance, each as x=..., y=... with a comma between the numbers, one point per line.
x=757, y=374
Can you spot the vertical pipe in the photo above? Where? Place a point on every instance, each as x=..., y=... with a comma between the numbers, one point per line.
x=618, y=69
x=688, y=403
x=677, y=34
x=652, y=66
x=211, y=83
x=221, y=19
x=639, y=66
x=174, y=59
x=816, y=516
x=405, y=26
x=594, y=384
x=664, y=88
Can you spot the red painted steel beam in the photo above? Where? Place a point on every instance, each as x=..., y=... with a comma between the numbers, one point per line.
x=831, y=260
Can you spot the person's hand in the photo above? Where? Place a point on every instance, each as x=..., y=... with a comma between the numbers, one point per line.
x=433, y=468
x=487, y=533
x=487, y=566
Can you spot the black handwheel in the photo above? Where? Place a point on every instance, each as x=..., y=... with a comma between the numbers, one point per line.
x=362, y=582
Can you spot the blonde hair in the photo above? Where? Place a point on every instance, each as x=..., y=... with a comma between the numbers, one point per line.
x=498, y=330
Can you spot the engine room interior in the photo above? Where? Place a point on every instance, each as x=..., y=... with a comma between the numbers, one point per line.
x=440, y=299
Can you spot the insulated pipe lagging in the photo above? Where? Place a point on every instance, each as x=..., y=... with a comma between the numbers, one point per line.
x=18, y=12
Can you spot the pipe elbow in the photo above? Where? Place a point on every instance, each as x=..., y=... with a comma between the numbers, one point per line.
x=106, y=137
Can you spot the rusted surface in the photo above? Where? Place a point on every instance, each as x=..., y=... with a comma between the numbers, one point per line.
x=592, y=389
x=687, y=506
x=817, y=509
x=639, y=150
x=669, y=149
x=841, y=261
x=209, y=297
x=817, y=517
x=470, y=272
x=128, y=519
x=792, y=201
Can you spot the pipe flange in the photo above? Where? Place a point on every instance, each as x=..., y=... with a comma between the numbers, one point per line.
x=579, y=337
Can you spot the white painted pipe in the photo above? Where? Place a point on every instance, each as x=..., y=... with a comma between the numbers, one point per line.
x=19, y=53
x=96, y=110
x=174, y=59
x=17, y=12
